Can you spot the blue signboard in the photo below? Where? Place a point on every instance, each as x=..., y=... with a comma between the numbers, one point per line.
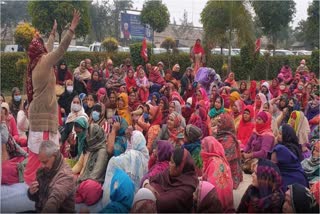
x=132, y=29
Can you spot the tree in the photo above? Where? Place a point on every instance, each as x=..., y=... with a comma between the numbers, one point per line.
x=312, y=25
x=168, y=43
x=43, y=14
x=12, y=12
x=274, y=15
x=222, y=19
x=24, y=34
x=100, y=16
x=300, y=31
x=184, y=28
x=156, y=15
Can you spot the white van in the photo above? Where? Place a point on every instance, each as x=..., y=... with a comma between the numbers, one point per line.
x=13, y=48
x=225, y=51
x=95, y=47
x=72, y=47
x=283, y=53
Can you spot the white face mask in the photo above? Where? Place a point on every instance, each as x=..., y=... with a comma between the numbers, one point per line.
x=302, y=65
x=75, y=107
x=70, y=88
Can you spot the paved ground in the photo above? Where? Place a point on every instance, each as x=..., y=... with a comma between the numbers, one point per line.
x=238, y=193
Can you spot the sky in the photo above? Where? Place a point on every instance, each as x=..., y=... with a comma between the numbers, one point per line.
x=194, y=8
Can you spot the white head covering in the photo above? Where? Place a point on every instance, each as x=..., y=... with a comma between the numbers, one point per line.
x=144, y=194
x=189, y=100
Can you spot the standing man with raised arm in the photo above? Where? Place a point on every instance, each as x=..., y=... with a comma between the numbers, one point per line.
x=43, y=109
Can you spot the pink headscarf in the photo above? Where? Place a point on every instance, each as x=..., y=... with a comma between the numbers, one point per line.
x=204, y=188
x=101, y=92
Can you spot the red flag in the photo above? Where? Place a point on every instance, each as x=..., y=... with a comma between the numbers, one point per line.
x=144, y=50
x=258, y=44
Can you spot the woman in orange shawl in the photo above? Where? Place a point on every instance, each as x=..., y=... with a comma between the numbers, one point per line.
x=123, y=108
x=216, y=170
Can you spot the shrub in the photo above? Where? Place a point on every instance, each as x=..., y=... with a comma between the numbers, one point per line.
x=24, y=34
x=10, y=75
x=135, y=50
x=110, y=44
x=247, y=57
x=168, y=43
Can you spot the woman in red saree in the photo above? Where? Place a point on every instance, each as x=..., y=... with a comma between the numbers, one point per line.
x=216, y=170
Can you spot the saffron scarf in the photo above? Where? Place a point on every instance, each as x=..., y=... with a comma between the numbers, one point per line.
x=124, y=111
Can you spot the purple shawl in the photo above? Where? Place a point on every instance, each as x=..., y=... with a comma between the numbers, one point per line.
x=290, y=166
x=165, y=149
x=205, y=76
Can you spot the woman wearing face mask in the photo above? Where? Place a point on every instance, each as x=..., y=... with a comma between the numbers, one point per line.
x=76, y=112
x=16, y=103
x=65, y=99
x=97, y=117
x=91, y=101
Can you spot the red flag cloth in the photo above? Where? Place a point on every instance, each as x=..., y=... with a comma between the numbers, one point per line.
x=258, y=44
x=144, y=50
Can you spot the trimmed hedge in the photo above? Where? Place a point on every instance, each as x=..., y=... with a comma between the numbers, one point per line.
x=12, y=73
x=135, y=50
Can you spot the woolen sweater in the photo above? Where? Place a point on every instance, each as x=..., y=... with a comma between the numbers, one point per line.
x=43, y=110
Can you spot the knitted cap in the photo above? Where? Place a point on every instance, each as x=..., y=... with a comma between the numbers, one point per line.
x=193, y=133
